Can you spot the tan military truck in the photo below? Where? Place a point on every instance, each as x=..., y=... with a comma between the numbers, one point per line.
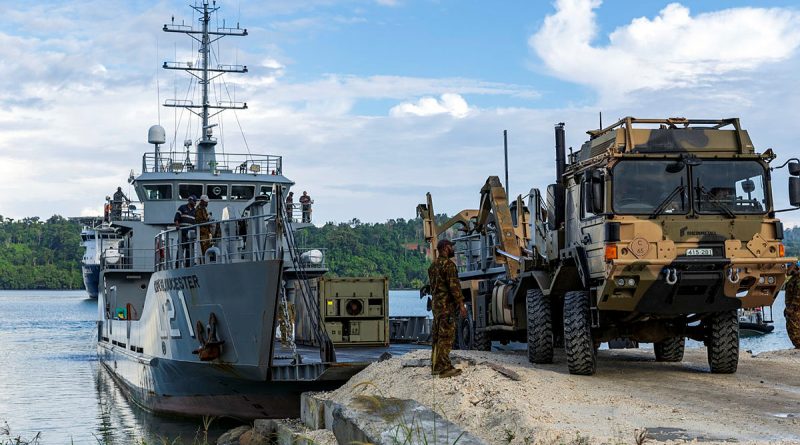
x=655, y=231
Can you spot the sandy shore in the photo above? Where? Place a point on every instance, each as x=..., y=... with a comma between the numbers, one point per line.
x=674, y=402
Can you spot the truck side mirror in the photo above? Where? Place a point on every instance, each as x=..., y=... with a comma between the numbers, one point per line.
x=794, y=168
x=794, y=191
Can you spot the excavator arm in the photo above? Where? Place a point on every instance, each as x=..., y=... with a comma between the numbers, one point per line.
x=431, y=230
x=493, y=201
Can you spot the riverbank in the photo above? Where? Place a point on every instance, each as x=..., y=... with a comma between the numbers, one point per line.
x=500, y=398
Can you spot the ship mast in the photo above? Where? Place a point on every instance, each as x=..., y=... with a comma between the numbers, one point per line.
x=206, y=156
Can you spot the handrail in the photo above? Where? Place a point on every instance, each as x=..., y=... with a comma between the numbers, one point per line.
x=236, y=163
x=672, y=122
x=182, y=246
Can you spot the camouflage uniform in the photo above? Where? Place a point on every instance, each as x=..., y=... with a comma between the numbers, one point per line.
x=447, y=299
x=287, y=326
x=792, y=311
x=200, y=217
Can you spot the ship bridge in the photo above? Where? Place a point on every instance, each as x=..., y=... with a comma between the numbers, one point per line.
x=231, y=181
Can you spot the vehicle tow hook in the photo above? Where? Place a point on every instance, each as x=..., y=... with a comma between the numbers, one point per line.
x=733, y=275
x=671, y=275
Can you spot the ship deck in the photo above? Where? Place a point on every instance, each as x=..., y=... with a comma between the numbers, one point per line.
x=344, y=354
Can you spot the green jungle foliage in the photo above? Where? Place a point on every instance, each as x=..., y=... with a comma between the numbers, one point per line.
x=46, y=254
x=394, y=249
x=791, y=239
x=39, y=254
x=36, y=254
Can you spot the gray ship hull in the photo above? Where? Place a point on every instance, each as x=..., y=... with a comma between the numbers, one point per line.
x=224, y=393
x=151, y=357
x=91, y=278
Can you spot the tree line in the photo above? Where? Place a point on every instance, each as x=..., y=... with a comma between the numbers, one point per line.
x=46, y=254
x=395, y=249
x=37, y=254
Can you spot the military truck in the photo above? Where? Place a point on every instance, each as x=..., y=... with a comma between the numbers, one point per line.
x=655, y=231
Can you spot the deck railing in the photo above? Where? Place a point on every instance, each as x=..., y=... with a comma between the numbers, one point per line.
x=299, y=213
x=231, y=241
x=247, y=164
x=126, y=259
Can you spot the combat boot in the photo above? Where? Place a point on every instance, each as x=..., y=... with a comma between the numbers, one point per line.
x=452, y=372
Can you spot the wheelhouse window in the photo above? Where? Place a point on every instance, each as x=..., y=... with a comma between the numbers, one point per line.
x=265, y=190
x=649, y=187
x=217, y=191
x=730, y=187
x=242, y=192
x=187, y=190
x=157, y=192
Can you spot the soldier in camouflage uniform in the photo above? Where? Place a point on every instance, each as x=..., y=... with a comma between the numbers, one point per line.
x=287, y=326
x=447, y=298
x=792, y=311
x=201, y=216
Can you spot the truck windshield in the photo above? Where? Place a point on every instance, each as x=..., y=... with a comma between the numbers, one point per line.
x=650, y=187
x=736, y=187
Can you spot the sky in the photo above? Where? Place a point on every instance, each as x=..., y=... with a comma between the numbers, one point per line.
x=373, y=103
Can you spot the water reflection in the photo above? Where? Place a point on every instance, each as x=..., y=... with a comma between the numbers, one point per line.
x=121, y=422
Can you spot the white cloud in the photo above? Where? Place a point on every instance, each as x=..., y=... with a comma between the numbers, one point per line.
x=452, y=104
x=674, y=49
x=64, y=150
x=272, y=64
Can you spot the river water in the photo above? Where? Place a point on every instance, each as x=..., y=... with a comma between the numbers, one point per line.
x=51, y=382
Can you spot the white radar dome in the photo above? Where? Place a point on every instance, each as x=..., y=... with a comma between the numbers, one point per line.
x=156, y=135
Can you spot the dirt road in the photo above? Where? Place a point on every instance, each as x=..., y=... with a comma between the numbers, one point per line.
x=630, y=392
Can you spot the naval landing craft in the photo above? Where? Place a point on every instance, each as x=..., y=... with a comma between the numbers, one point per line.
x=186, y=327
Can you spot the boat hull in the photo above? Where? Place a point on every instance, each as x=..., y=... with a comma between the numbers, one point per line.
x=196, y=390
x=747, y=329
x=91, y=278
x=152, y=360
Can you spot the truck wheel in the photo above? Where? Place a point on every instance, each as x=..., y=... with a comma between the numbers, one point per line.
x=670, y=349
x=723, y=342
x=540, y=327
x=482, y=341
x=578, y=343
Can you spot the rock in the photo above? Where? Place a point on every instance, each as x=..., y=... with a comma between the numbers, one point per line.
x=253, y=437
x=232, y=437
x=416, y=363
x=312, y=410
x=379, y=420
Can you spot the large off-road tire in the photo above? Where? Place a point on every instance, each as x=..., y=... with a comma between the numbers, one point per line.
x=723, y=342
x=540, y=327
x=481, y=340
x=578, y=343
x=670, y=349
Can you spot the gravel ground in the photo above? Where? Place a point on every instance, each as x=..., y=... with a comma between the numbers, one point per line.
x=673, y=402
